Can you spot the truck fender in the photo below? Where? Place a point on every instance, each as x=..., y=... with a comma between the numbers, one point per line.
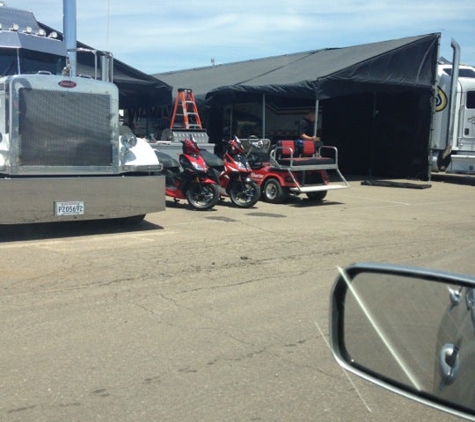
x=141, y=154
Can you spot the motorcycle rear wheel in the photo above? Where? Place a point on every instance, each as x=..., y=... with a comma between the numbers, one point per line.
x=202, y=196
x=244, y=194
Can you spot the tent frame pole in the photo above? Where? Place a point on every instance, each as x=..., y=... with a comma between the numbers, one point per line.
x=315, y=124
x=263, y=115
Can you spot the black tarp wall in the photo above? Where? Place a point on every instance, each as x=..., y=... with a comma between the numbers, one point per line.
x=380, y=134
x=376, y=100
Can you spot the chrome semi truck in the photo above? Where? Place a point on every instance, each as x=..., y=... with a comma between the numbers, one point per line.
x=63, y=153
x=453, y=135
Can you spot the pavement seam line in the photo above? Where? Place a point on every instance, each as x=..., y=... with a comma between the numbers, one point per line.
x=346, y=374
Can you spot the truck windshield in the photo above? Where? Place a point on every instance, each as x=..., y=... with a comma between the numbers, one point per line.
x=471, y=99
x=463, y=72
x=13, y=62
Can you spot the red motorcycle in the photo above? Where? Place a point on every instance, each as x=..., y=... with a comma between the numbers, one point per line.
x=232, y=174
x=192, y=182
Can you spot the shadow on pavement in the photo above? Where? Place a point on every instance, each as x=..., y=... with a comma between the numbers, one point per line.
x=25, y=232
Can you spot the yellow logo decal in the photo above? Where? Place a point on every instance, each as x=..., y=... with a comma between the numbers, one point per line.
x=440, y=100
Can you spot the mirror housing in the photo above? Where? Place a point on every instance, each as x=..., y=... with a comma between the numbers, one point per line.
x=409, y=330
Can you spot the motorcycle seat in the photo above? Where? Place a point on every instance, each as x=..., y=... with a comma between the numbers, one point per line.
x=211, y=160
x=166, y=160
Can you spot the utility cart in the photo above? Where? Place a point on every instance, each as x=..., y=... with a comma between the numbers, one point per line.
x=296, y=167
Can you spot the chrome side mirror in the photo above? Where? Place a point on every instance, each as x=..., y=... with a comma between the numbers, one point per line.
x=409, y=330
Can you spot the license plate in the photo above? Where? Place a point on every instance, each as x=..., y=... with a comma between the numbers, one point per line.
x=69, y=208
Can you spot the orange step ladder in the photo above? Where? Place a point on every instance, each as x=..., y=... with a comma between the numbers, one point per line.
x=186, y=110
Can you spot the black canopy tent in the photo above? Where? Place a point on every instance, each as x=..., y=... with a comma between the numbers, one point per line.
x=388, y=66
x=376, y=100
x=136, y=89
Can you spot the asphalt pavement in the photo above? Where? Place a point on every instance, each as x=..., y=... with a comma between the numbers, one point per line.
x=211, y=316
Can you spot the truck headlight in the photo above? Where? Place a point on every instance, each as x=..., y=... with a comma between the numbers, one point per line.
x=128, y=140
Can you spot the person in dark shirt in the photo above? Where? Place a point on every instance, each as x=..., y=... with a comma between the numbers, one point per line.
x=306, y=127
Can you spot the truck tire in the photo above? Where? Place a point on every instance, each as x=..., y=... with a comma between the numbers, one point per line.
x=133, y=220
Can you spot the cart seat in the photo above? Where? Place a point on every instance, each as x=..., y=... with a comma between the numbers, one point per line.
x=303, y=153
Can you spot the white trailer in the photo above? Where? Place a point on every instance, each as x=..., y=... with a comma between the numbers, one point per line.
x=453, y=135
x=63, y=154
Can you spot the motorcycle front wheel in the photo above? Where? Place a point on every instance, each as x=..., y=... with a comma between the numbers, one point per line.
x=244, y=194
x=202, y=196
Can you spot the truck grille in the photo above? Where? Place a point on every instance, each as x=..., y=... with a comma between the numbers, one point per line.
x=64, y=128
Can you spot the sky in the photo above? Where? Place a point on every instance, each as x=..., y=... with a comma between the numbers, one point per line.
x=160, y=36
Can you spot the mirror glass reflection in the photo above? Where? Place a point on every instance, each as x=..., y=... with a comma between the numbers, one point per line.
x=413, y=331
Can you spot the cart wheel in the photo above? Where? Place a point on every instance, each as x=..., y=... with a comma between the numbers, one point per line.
x=317, y=196
x=273, y=192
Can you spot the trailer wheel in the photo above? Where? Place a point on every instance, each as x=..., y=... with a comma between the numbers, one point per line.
x=317, y=196
x=273, y=192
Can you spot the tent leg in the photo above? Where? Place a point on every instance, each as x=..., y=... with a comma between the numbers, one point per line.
x=315, y=125
x=263, y=116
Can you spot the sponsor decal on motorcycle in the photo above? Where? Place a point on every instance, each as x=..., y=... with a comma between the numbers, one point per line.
x=257, y=176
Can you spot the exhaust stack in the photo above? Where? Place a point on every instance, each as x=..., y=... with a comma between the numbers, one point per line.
x=453, y=90
x=69, y=33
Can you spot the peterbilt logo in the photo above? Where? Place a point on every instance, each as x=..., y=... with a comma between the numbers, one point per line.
x=67, y=84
